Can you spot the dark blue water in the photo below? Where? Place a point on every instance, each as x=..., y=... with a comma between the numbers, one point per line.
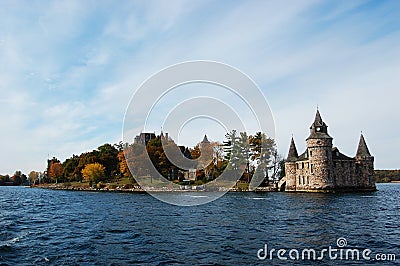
x=44, y=227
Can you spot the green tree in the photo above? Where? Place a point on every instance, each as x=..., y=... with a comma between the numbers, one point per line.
x=70, y=166
x=108, y=157
x=266, y=157
x=18, y=178
x=235, y=148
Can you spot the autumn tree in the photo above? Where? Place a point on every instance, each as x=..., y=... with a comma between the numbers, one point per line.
x=56, y=171
x=195, y=152
x=94, y=173
x=33, y=176
x=134, y=157
x=123, y=165
x=85, y=159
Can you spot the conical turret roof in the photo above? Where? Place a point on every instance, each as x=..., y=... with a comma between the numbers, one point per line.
x=362, y=150
x=205, y=139
x=318, y=119
x=292, y=155
x=318, y=129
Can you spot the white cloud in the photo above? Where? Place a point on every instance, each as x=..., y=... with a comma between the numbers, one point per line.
x=69, y=68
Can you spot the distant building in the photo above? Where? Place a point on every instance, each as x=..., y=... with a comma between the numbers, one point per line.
x=323, y=168
x=144, y=138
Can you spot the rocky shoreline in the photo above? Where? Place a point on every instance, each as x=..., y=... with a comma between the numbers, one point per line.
x=138, y=189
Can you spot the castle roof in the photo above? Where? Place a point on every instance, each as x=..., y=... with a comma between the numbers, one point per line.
x=318, y=119
x=205, y=139
x=362, y=150
x=292, y=155
x=337, y=155
x=318, y=129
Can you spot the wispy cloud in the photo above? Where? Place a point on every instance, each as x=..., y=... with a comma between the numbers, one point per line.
x=69, y=68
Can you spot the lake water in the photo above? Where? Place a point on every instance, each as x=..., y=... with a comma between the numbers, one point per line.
x=45, y=227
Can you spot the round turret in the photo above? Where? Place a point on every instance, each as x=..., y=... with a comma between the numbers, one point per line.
x=319, y=154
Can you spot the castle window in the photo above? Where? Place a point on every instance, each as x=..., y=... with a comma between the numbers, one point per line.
x=302, y=165
x=310, y=153
x=318, y=142
x=297, y=165
x=299, y=180
x=308, y=180
x=312, y=168
x=303, y=180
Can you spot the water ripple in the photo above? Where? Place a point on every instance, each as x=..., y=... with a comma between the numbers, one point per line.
x=42, y=227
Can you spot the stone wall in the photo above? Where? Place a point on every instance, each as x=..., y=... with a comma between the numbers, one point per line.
x=365, y=172
x=320, y=158
x=344, y=173
x=290, y=173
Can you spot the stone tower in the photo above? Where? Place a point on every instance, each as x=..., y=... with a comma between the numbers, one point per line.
x=365, y=165
x=290, y=166
x=319, y=153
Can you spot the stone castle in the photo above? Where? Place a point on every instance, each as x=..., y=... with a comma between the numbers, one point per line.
x=323, y=168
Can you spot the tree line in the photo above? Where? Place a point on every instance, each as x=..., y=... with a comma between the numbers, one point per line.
x=255, y=155
x=386, y=176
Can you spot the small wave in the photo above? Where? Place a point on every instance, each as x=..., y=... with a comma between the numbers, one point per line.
x=117, y=231
x=368, y=196
x=13, y=240
x=256, y=198
x=197, y=196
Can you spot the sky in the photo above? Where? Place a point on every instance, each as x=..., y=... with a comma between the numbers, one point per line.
x=69, y=68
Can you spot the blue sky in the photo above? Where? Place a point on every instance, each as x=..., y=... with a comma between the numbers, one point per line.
x=69, y=68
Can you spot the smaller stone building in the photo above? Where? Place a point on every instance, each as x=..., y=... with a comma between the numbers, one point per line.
x=323, y=168
x=144, y=138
